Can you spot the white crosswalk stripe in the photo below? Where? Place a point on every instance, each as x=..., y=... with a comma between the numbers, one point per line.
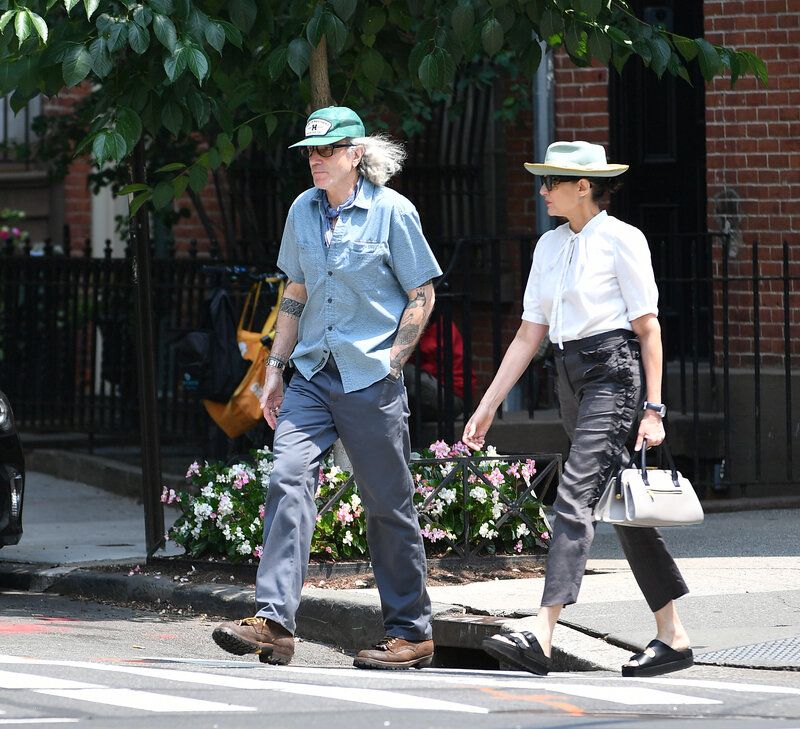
x=98, y=694
x=375, y=697
x=46, y=720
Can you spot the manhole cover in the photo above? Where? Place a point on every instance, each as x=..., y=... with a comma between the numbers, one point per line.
x=784, y=653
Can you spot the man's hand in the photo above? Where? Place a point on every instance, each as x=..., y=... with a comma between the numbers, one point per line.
x=272, y=396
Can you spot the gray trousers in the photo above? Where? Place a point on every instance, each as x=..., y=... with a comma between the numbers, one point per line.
x=372, y=424
x=600, y=391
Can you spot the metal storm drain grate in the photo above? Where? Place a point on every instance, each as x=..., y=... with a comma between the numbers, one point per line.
x=784, y=652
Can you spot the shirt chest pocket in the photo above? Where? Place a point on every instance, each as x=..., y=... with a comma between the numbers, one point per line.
x=364, y=257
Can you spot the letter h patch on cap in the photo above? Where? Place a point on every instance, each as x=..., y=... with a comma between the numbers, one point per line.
x=318, y=127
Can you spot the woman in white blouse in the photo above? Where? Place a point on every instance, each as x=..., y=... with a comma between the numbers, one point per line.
x=592, y=289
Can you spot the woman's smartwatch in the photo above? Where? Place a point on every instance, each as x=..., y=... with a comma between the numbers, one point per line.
x=660, y=408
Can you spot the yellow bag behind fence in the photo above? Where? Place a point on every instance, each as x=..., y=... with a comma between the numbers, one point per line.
x=243, y=411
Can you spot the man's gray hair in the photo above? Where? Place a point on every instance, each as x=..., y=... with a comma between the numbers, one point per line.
x=382, y=159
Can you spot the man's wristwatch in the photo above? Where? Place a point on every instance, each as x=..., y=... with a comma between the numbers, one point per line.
x=660, y=408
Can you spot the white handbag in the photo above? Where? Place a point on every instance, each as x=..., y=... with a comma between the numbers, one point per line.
x=649, y=497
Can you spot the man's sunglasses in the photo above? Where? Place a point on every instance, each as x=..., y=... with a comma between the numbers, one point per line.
x=551, y=181
x=325, y=150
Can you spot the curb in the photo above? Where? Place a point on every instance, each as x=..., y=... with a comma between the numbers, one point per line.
x=349, y=619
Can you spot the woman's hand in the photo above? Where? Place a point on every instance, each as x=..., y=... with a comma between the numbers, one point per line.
x=477, y=426
x=651, y=429
x=272, y=396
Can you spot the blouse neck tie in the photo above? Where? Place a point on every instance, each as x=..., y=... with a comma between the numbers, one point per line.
x=565, y=256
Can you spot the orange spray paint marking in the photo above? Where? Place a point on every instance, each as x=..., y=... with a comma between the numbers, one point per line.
x=545, y=699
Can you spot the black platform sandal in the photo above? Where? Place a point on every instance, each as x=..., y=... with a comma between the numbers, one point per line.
x=657, y=658
x=519, y=649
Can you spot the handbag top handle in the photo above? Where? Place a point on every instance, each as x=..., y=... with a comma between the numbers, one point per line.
x=670, y=462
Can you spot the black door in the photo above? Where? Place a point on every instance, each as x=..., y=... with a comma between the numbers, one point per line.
x=658, y=127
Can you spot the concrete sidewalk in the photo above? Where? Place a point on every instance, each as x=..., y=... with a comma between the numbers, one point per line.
x=742, y=567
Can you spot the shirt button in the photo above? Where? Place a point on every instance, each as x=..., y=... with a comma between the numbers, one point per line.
x=330, y=273
x=330, y=301
x=330, y=329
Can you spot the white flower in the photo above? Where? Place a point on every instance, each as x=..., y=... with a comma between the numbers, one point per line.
x=244, y=548
x=333, y=473
x=486, y=531
x=447, y=495
x=522, y=530
x=436, y=507
x=207, y=491
x=498, y=510
x=202, y=510
x=225, y=505
x=355, y=501
x=491, y=450
x=348, y=537
x=479, y=494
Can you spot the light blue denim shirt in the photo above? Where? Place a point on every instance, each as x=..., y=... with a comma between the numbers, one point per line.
x=357, y=287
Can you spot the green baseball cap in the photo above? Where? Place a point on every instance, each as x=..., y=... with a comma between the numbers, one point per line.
x=329, y=125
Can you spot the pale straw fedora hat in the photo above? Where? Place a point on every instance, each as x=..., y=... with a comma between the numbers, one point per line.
x=578, y=159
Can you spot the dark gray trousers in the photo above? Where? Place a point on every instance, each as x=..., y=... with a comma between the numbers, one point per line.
x=600, y=389
x=372, y=424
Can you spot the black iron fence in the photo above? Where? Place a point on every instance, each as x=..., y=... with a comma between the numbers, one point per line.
x=67, y=346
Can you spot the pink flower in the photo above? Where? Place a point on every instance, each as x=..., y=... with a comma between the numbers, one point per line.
x=16, y=232
x=528, y=470
x=258, y=551
x=545, y=535
x=495, y=478
x=513, y=469
x=4, y=234
x=460, y=449
x=518, y=546
x=440, y=449
x=322, y=477
x=194, y=470
x=344, y=514
x=261, y=511
x=433, y=535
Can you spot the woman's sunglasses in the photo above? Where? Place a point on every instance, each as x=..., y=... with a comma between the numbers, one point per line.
x=551, y=181
x=325, y=150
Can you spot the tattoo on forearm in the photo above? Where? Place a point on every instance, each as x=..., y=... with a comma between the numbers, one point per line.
x=292, y=308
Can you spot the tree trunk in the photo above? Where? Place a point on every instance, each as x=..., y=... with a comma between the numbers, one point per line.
x=318, y=74
x=145, y=350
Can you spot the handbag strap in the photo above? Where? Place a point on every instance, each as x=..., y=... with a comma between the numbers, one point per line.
x=670, y=462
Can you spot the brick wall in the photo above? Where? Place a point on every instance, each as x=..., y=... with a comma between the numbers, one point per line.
x=77, y=198
x=753, y=155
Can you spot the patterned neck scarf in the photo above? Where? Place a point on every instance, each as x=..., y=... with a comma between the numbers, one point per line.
x=330, y=214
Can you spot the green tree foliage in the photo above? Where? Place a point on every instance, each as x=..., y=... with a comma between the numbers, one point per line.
x=221, y=73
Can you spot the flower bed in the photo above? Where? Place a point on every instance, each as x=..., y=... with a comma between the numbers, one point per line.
x=468, y=504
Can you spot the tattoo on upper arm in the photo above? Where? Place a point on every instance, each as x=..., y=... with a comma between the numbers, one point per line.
x=292, y=308
x=420, y=298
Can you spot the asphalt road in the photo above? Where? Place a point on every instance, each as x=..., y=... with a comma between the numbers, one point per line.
x=80, y=663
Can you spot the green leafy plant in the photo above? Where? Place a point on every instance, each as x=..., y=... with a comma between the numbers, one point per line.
x=223, y=507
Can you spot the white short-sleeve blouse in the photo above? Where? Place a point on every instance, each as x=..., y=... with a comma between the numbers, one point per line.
x=600, y=279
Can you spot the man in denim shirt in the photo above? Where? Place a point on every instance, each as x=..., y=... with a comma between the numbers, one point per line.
x=358, y=298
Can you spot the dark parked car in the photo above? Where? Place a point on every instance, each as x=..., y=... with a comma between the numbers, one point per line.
x=12, y=476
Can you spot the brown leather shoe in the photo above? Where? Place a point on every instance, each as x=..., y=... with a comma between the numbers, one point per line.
x=271, y=642
x=394, y=653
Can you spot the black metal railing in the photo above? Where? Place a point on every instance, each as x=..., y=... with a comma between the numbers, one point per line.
x=67, y=353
